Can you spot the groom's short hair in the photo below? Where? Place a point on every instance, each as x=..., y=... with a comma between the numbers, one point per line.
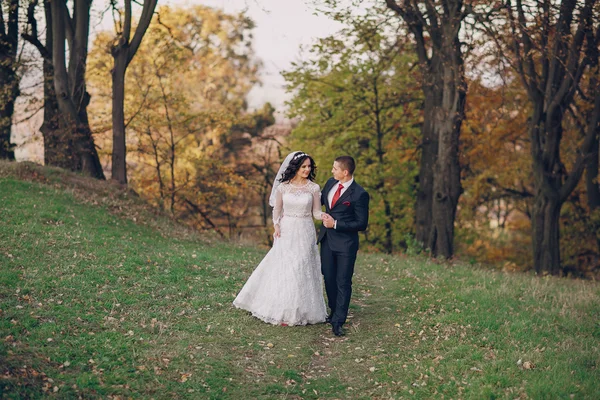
x=347, y=163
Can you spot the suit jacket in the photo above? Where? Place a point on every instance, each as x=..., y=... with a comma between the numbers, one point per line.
x=351, y=212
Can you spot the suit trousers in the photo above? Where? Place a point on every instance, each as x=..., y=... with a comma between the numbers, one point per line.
x=337, y=268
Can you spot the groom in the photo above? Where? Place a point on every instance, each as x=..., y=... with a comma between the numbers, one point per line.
x=347, y=213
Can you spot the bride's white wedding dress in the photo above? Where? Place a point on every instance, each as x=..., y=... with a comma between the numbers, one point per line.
x=286, y=287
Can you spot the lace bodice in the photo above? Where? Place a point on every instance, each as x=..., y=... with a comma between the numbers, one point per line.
x=297, y=201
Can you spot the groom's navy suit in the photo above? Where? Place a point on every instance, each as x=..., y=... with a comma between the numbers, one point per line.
x=339, y=245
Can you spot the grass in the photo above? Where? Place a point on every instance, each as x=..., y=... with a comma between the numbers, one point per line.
x=103, y=297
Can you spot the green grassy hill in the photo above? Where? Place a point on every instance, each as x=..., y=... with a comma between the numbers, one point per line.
x=101, y=296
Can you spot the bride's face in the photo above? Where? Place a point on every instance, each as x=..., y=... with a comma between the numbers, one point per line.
x=304, y=170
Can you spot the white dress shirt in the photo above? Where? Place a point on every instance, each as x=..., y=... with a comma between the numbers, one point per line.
x=334, y=189
x=332, y=193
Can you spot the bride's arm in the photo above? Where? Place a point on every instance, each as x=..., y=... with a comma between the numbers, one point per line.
x=277, y=211
x=316, y=210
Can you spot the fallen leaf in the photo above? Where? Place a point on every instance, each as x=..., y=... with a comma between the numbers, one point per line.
x=528, y=365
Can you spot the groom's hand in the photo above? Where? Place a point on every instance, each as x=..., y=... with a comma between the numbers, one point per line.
x=328, y=221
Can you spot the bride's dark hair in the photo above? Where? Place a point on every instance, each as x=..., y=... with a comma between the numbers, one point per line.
x=295, y=165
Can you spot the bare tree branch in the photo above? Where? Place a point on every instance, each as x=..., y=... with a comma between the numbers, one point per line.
x=142, y=27
x=575, y=175
x=531, y=88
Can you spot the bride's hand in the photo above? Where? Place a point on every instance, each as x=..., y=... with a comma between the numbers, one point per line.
x=328, y=221
x=277, y=233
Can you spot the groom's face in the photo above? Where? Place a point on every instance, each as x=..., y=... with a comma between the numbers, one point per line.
x=338, y=171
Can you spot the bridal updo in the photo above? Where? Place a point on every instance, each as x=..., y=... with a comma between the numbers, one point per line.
x=295, y=165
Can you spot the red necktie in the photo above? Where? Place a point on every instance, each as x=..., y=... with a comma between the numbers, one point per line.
x=336, y=196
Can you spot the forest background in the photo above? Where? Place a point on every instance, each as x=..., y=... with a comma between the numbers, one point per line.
x=474, y=124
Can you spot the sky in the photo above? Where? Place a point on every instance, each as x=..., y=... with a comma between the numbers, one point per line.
x=282, y=28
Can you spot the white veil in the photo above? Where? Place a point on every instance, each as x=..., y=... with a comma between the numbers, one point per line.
x=282, y=169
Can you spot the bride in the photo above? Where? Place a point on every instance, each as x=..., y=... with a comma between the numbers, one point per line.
x=286, y=288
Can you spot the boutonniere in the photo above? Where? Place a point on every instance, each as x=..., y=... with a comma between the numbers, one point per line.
x=346, y=203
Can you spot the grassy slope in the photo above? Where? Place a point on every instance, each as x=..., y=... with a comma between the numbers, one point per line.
x=101, y=297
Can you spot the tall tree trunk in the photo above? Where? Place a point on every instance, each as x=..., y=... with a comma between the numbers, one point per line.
x=444, y=87
x=388, y=242
x=447, y=124
x=57, y=149
x=9, y=87
x=57, y=146
x=70, y=86
x=549, y=175
x=9, y=80
x=123, y=52
x=546, y=233
x=547, y=202
x=119, y=150
x=545, y=133
x=89, y=161
x=429, y=150
x=551, y=70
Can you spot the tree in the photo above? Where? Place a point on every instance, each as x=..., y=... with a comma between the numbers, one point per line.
x=185, y=113
x=70, y=83
x=57, y=151
x=123, y=50
x=9, y=79
x=546, y=42
x=587, y=122
x=435, y=26
x=359, y=96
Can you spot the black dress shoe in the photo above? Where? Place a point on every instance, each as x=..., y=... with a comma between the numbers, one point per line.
x=337, y=330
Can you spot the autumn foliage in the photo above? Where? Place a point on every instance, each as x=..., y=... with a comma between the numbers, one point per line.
x=194, y=149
